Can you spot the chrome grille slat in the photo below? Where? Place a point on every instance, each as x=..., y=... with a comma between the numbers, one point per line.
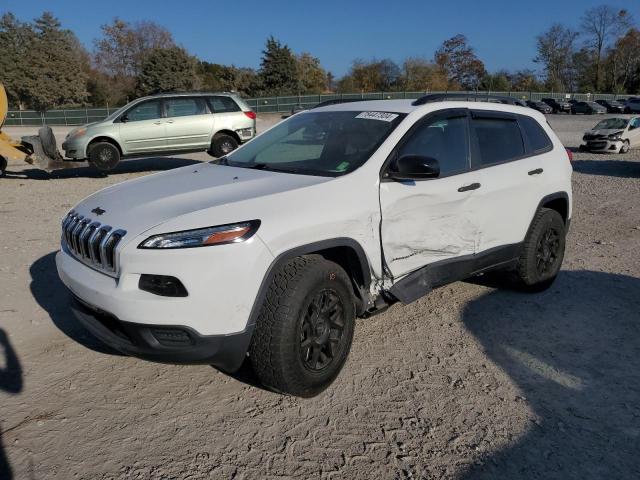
x=91, y=242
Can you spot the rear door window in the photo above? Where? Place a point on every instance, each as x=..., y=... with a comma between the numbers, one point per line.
x=223, y=105
x=181, y=107
x=498, y=138
x=537, y=138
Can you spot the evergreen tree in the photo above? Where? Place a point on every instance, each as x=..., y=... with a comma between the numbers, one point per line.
x=167, y=70
x=278, y=69
x=16, y=40
x=55, y=75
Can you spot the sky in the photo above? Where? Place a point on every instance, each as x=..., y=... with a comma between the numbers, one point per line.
x=234, y=32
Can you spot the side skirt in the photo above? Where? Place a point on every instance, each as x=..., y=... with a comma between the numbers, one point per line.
x=422, y=281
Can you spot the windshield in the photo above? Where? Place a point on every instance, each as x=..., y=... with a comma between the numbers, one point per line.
x=317, y=143
x=612, y=124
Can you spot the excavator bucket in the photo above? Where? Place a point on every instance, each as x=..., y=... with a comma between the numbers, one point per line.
x=38, y=150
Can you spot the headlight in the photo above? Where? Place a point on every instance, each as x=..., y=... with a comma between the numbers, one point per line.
x=77, y=133
x=615, y=136
x=203, y=237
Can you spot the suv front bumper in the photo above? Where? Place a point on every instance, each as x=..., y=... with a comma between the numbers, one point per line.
x=163, y=343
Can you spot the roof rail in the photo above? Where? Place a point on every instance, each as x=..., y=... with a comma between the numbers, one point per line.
x=336, y=101
x=468, y=97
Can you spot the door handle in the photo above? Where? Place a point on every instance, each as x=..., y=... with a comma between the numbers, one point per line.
x=537, y=171
x=157, y=123
x=169, y=121
x=472, y=186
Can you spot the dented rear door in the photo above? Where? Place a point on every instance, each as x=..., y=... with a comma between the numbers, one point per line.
x=431, y=220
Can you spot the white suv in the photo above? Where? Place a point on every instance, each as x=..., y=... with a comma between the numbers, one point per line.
x=272, y=251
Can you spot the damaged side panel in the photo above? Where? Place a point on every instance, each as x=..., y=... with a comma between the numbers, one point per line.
x=426, y=222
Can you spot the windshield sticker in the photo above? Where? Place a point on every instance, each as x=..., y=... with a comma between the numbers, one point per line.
x=383, y=116
x=342, y=167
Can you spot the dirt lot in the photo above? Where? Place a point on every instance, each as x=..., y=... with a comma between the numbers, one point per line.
x=469, y=382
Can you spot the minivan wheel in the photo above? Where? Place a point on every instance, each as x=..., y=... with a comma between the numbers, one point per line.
x=104, y=155
x=223, y=144
x=542, y=252
x=305, y=327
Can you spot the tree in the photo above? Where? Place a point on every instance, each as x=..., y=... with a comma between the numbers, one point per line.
x=418, y=74
x=216, y=77
x=16, y=39
x=623, y=63
x=556, y=48
x=371, y=76
x=599, y=25
x=459, y=62
x=278, y=69
x=311, y=76
x=55, y=76
x=167, y=70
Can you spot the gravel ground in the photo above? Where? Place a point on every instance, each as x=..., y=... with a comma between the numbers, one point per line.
x=472, y=381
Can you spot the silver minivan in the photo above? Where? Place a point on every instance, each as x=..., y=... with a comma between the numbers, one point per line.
x=161, y=124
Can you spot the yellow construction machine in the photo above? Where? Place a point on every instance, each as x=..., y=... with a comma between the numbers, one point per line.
x=38, y=150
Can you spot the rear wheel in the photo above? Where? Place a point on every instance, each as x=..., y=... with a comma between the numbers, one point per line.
x=542, y=252
x=104, y=155
x=222, y=144
x=305, y=327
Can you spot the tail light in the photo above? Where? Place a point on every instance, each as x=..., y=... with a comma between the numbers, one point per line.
x=569, y=154
x=250, y=114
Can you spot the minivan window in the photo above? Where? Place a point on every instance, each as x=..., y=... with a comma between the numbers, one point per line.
x=180, y=107
x=148, y=110
x=499, y=139
x=223, y=105
x=538, y=139
x=444, y=139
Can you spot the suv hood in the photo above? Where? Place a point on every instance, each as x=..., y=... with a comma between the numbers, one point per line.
x=140, y=204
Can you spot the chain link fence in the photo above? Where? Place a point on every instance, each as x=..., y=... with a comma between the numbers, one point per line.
x=81, y=116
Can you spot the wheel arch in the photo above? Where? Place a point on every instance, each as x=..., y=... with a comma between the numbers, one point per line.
x=346, y=252
x=559, y=202
x=227, y=132
x=103, y=138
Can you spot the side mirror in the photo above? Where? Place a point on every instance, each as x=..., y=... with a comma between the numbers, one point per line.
x=413, y=167
x=124, y=118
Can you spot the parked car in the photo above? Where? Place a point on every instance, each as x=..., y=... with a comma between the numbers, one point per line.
x=612, y=106
x=160, y=124
x=558, y=105
x=332, y=214
x=587, y=108
x=613, y=135
x=539, y=106
x=632, y=105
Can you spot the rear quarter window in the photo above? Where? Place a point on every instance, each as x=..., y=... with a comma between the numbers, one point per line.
x=223, y=104
x=499, y=139
x=538, y=139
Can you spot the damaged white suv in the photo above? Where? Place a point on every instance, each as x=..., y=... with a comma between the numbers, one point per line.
x=272, y=252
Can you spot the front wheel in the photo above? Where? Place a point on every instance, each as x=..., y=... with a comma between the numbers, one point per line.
x=542, y=252
x=305, y=327
x=626, y=146
x=222, y=144
x=104, y=156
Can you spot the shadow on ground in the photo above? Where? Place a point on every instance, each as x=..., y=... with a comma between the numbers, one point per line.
x=134, y=165
x=610, y=168
x=574, y=352
x=51, y=294
x=10, y=382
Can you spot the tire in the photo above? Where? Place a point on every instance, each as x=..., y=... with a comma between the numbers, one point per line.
x=542, y=252
x=48, y=141
x=3, y=166
x=626, y=146
x=104, y=156
x=309, y=307
x=222, y=144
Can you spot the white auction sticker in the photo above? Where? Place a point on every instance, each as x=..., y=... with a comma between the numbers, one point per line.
x=383, y=116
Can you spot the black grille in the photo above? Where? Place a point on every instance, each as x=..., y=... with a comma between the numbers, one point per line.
x=91, y=242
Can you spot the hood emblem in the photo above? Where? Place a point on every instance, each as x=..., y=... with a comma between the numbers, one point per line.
x=98, y=211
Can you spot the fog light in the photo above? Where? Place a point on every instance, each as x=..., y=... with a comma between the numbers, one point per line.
x=162, y=285
x=171, y=336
